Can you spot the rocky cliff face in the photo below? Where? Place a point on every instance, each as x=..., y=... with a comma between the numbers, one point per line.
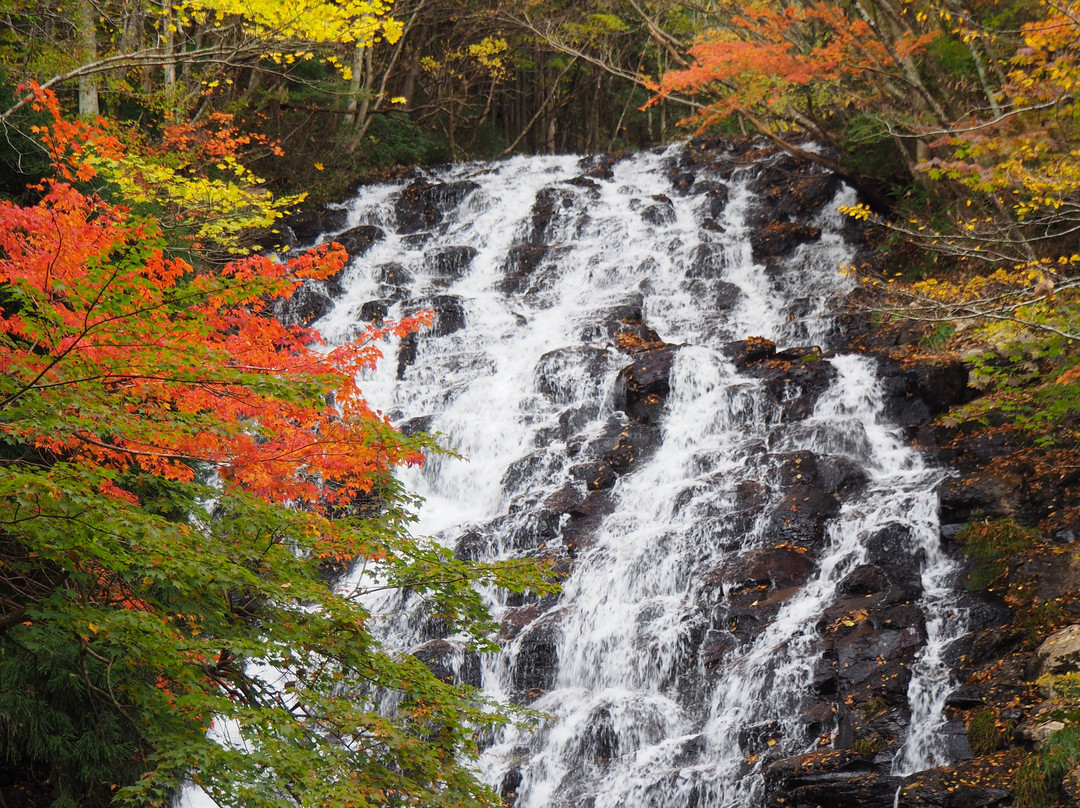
x=854, y=720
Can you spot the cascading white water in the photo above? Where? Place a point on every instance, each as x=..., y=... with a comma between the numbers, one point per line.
x=525, y=390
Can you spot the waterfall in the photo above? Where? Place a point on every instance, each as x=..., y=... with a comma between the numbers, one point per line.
x=685, y=652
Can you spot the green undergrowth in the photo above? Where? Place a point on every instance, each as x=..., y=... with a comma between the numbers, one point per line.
x=1039, y=777
x=986, y=734
x=990, y=543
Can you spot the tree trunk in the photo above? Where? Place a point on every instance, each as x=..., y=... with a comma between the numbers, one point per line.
x=168, y=44
x=88, y=90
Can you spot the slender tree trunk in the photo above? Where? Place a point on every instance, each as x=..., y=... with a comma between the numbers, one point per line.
x=88, y=85
x=168, y=43
x=355, y=81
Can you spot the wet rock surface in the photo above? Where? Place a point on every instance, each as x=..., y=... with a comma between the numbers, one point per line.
x=422, y=205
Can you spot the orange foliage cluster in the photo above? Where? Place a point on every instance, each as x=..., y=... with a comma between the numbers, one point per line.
x=217, y=139
x=766, y=52
x=122, y=357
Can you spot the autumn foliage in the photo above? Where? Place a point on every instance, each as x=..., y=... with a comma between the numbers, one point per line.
x=174, y=367
x=768, y=54
x=179, y=472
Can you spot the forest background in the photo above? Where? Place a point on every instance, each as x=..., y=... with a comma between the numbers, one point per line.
x=149, y=152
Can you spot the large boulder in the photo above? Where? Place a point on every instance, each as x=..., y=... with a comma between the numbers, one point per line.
x=449, y=264
x=535, y=664
x=1059, y=653
x=359, y=240
x=305, y=227
x=422, y=205
x=641, y=388
x=828, y=779
x=450, y=662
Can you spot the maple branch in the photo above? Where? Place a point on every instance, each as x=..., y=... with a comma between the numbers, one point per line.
x=663, y=38
x=140, y=452
x=939, y=311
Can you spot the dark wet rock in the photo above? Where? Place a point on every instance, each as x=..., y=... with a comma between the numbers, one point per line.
x=660, y=212
x=800, y=516
x=307, y=304
x=515, y=619
x=509, y=785
x=307, y=226
x=579, y=532
x=899, y=582
x=788, y=190
x=898, y=334
x=615, y=452
x=600, y=166
x=406, y=353
x=359, y=240
x=779, y=238
x=532, y=468
x=942, y=384
x=726, y=296
x=775, y=567
x=474, y=544
x=394, y=280
x=748, y=351
x=564, y=500
x=641, y=388
x=449, y=264
x=824, y=681
x=894, y=544
x=374, y=311
x=414, y=426
x=1055, y=578
x=536, y=663
x=422, y=204
x=449, y=313
x=558, y=373
x=829, y=779
x=545, y=210
x=795, y=386
x=874, y=649
x=625, y=326
x=803, y=353
x=755, y=738
x=571, y=422
x=595, y=474
x=449, y=316
x=717, y=645
x=625, y=447
x=967, y=785
x=682, y=182
x=716, y=199
x=706, y=262
x=834, y=474
x=584, y=182
x=840, y=475
x=451, y=663
x=748, y=612
x=913, y=395
x=600, y=741
x=981, y=493
x=964, y=698
x=521, y=262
